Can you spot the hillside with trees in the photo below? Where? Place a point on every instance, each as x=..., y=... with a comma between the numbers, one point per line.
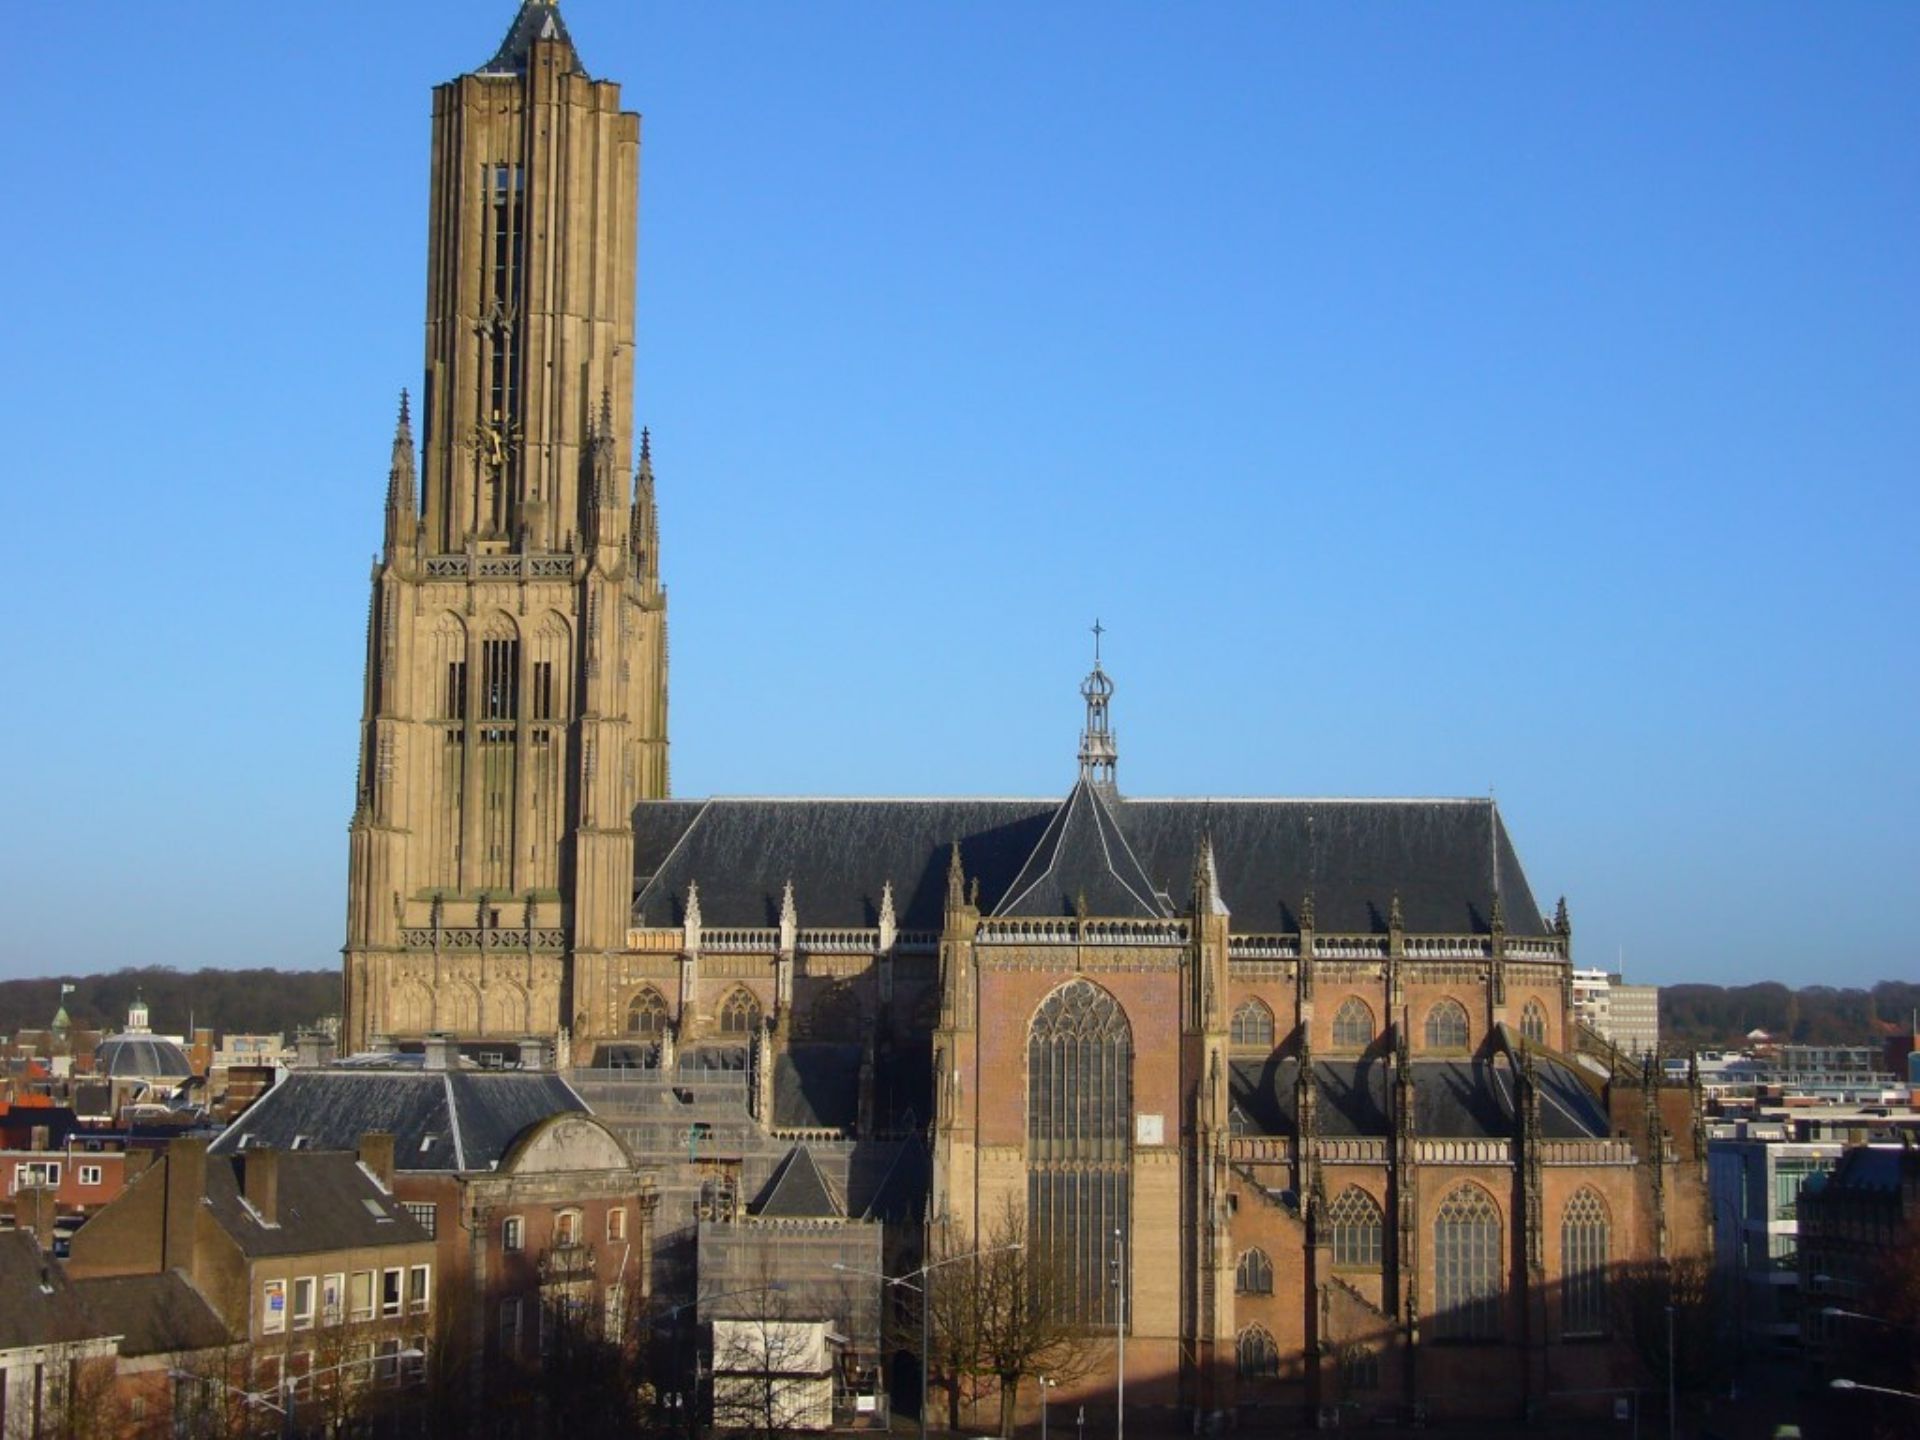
x=1713, y=1017
x=226, y=1001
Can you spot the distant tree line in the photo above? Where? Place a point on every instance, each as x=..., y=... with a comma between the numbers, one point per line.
x=1698, y=1017
x=227, y=1001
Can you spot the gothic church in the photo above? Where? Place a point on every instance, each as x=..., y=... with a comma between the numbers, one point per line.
x=1292, y=1087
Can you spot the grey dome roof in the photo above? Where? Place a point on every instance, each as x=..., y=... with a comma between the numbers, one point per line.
x=140, y=1057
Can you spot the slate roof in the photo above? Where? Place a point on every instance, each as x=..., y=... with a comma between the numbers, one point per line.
x=537, y=20
x=798, y=1191
x=325, y=1202
x=153, y=1314
x=41, y=1306
x=899, y=1193
x=441, y=1120
x=1082, y=857
x=1445, y=859
x=816, y=1086
x=1453, y=1099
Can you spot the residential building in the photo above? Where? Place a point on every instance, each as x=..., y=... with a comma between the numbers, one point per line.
x=534, y=1207
x=1625, y=1015
x=318, y=1273
x=1854, y=1222
x=56, y=1368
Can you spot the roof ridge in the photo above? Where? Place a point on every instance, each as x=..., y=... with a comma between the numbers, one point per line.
x=667, y=859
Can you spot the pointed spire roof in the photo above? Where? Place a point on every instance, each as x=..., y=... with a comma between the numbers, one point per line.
x=1207, y=899
x=798, y=1191
x=400, y=472
x=537, y=20
x=1099, y=750
x=1082, y=855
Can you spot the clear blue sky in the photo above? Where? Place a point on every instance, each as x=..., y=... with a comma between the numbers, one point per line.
x=1428, y=398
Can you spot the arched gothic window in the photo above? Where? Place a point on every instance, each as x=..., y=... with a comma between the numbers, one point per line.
x=1533, y=1023
x=1079, y=1113
x=1359, y=1369
x=1352, y=1025
x=740, y=1015
x=1466, y=1266
x=1258, y=1356
x=1354, y=1219
x=1583, y=1265
x=1447, y=1026
x=646, y=1014
x=1253, y=1026
x=1254, y=1276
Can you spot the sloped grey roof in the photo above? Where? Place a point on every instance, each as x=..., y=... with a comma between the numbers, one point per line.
x=153, y=1314
x=817, y=1086
x=798, y=1191
x=441, y=1120
x=326, y=1202
x=894, y=1190
x=1453, y=1099
x=31, y=1315
x=537, y=20
x=1082, y=857
x=1445, y=859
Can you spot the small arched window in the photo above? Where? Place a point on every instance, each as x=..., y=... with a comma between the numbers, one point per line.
x=740, y=1015
x=1354, y=1219
x=1352, y=1025
x=1359, y=1369
x=1258, y=1356
x=1533, y=1023
x=1252, y=1026
x=1254, y=1276
x=647, y=1014
x=566, y=1228
x=1583, y=1265
x=1466, y=1266
x=1447, y=1026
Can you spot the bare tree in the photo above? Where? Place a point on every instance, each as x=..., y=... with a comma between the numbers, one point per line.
x=1001, y=1318
x=1674, y=1314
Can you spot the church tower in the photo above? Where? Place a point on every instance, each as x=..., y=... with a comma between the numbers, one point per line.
x=515, y=704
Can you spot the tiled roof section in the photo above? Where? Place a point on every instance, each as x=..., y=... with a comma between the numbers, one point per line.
x=1869, y=1168
x=798, y=1191
x=1453, y=1099
x=537, y=20
x=1082, y=858
x=326, y=1202
x=1445, y=859
x=816, y=1087
x=441, y=1120
x=153, y=1314
x=41, y=1306
x=838, y=853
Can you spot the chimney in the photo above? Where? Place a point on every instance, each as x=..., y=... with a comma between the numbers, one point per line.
x=34, y=1209
x=41, y=1138
x=443, y=1051
x=376, y=1153
x=186, y=1188
x=533, y=1053
x=260, y=1175
x=313, y=1050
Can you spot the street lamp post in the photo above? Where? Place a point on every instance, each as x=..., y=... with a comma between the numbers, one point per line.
x=1872, y=1389
x=1045, y=1385
x=926, y=1305
x=1120, y=1336
x=1672, y=1418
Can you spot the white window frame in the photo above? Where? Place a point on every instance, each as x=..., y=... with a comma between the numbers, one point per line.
x=372, y=1310
x=419, y=1289
x=333, y=1298
x=513, y=1234
x=272, y=1323
x=397, y=1274
x=92, y=1175
x=304, y=1321
x=617, y=1223
x=29, y=1173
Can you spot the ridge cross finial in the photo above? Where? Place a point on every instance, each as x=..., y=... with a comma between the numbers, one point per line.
x=1098, y=631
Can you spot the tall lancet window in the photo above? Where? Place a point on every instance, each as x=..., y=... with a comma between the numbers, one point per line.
x=1079, y=1152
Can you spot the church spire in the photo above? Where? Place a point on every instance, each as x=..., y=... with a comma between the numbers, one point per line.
x=402, y=501
x=1099, y=751
x=537, y=20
